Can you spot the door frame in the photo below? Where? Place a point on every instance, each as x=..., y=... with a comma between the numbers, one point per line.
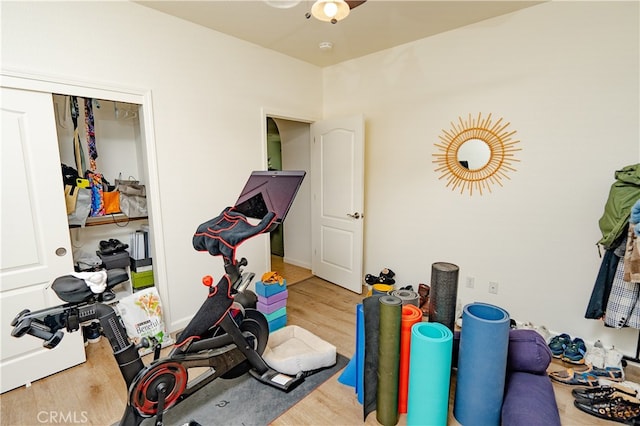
x=22, y=80
x=284, y=115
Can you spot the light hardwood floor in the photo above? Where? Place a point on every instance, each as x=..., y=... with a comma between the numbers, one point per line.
x=96, y=394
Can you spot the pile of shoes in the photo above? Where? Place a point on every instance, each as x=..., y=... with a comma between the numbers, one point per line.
x=385, y=277
x=616, y=403
x=563, y=347
x=112, y=246
x=597, y=364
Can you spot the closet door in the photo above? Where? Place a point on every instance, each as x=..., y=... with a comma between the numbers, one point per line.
x=35, y=243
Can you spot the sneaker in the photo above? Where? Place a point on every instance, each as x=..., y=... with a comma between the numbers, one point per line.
x=613, y=358
x=558, y=344
x=575, y=351
x=595, y=356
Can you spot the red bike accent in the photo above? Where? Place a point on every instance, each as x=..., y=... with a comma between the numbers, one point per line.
x=172, y=373
x=207, y=280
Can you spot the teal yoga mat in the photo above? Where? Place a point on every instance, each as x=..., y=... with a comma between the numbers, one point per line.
x=482, y=365
x=429, y=374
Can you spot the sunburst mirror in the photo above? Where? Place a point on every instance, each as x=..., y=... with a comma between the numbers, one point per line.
x=476, y=153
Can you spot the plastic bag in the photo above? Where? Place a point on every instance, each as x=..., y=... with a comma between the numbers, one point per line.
x=141, y=314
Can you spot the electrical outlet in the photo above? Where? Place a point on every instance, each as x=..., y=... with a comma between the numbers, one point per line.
x=471, y=282
x=493, y=287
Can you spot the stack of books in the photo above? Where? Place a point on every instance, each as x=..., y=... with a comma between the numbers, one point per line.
x=272, y=302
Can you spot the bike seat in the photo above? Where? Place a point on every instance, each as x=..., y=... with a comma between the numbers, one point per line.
x=75, y=290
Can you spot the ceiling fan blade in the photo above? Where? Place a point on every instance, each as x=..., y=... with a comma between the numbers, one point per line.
x=354, y=3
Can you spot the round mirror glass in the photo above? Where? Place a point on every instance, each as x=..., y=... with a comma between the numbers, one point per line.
x=474, y=154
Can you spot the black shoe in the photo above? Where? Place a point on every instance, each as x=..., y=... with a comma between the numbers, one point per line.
x=108, y=295
x=384, y=279
x=371, y=279
x=388, y=273
x=106, y=247
x=118, y=246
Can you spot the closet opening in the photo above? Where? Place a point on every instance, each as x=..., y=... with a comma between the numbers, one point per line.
x=288, y=148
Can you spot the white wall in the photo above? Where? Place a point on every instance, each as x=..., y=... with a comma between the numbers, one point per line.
x=565, y=74
x=208, y=92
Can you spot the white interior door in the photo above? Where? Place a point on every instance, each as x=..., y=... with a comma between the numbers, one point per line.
x=35, y=243
x=337, y=216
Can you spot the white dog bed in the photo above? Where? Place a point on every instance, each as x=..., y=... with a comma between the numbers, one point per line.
x=292, y=349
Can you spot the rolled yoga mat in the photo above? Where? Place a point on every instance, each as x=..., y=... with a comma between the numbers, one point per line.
x=408, y=297
x=371, y=310
x=388, y=360
x=482, y=365
x=410, y=315
x=429, y=374
x=360, y=353
x=381, y=289
x=352, y=373
x=443, y=294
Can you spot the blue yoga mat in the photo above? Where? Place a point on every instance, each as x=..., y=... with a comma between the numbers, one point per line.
x=360, y=352
x=353, y=373
x=482, y=365
x=429, y=374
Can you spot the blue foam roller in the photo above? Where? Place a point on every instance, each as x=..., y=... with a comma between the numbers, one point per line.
x=429, y=374
x=482, y=365
x=360, y=352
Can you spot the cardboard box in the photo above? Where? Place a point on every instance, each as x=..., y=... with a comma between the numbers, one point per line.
x=142, y=279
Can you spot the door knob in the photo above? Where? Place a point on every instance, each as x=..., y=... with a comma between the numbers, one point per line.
x=356, y=215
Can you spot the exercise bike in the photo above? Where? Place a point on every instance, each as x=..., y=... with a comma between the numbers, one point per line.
x=227, y=334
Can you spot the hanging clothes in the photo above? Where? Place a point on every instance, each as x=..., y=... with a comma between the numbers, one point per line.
x=632, y=256
x=623, y=301
x=91, y=133
x=602, y=287
x=623, y=194
x=77, y=147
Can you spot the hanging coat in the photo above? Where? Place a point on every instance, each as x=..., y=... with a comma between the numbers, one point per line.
x=623, y=194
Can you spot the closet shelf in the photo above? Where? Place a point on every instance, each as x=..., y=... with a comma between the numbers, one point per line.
x=109, y=219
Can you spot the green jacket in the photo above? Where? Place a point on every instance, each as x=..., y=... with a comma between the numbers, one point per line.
x=623, y=194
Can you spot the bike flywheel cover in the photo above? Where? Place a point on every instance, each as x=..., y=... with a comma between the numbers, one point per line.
x=144, y=393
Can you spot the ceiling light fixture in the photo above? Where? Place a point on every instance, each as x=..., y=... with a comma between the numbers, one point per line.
x=282, y=4
x=330, y=10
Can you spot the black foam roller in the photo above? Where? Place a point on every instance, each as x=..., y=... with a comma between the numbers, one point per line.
x=443, y=294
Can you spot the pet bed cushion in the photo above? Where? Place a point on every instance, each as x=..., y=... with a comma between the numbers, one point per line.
x=292, y=349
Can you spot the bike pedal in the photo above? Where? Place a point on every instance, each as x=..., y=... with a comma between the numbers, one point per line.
x=279, y=380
